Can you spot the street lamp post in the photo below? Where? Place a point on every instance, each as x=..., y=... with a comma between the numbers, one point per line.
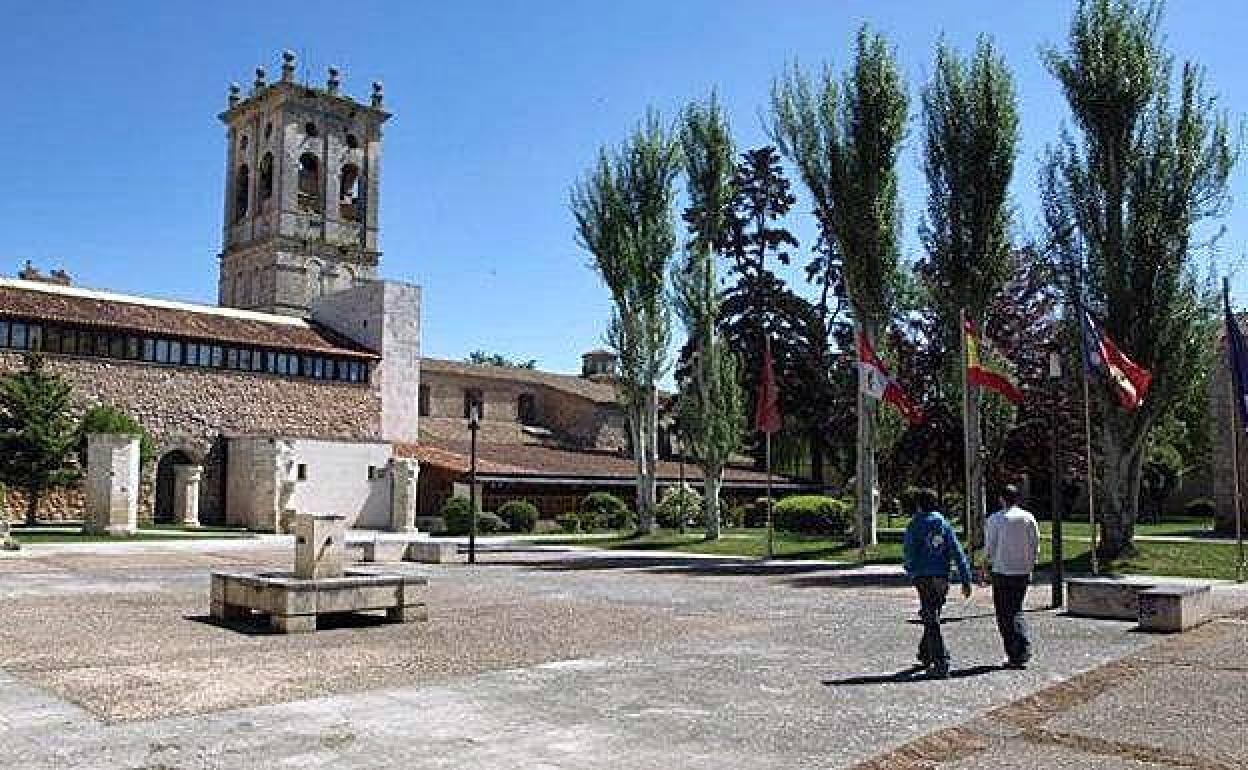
x=1055, y=376
x=474, y=425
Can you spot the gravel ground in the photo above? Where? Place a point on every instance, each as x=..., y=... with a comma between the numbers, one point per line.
x=545, y=659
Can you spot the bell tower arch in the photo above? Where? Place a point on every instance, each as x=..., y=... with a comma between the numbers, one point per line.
x=303, y=171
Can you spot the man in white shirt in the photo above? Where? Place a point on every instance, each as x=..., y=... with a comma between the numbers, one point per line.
x=1012, y=542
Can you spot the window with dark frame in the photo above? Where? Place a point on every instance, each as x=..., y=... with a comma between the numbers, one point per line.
x=425, y=404
x=23, y=335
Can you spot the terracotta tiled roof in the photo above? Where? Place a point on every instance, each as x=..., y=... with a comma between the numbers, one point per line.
x=514, y=460
x=597, y=392
x=143, y=315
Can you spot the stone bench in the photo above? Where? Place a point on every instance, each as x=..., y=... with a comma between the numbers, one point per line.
x=435, y=552
x=1106, y=598
x=373, y=546
x=1174, y=608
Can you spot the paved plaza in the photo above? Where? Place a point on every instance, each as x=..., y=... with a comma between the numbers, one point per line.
x=556, y=658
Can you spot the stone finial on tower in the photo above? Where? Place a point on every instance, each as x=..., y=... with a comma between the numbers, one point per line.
x=377, y=93
x=288, y=66
x=235, y=95
x=334, y=81
x=261, y=81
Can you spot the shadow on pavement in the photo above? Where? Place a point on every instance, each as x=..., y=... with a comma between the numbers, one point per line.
x=709, y=567
x=258, y=625
x=914, y=673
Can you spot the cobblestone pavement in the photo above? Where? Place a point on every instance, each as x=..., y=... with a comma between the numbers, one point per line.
x=562, y=659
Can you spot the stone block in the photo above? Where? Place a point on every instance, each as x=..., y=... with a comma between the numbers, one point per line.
x=385, y=550
x=435, y=552
x=1174, y=608
x=1108, y=598
x=293, y=624
x=112, y=484
x=320, y=541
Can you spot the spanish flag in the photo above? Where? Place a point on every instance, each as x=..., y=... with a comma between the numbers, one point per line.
x=978, y=374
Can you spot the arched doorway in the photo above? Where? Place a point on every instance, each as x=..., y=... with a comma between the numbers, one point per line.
x=163, y=508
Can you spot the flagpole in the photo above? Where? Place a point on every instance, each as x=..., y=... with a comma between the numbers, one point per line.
x=1235, y=389
x=1087, y=416
x=860, y=477
x=771, y=528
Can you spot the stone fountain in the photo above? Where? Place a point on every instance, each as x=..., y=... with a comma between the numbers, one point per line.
x=319, y=584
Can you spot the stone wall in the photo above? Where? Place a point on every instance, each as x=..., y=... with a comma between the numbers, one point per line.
x=383, y=316
x=573, y=419
x=190, y=410
x=1225, y=419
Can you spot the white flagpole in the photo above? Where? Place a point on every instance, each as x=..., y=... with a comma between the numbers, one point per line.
x=967, y=450
x=1087, y=422
x=861, y=476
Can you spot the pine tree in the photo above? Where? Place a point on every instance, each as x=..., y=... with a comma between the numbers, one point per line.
x=38, y=435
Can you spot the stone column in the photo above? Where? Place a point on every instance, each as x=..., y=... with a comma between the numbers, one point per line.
x=404, y=474
x=186, y=494
x=112, y=484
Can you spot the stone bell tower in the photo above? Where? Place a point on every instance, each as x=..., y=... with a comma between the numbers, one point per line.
x=301, y=192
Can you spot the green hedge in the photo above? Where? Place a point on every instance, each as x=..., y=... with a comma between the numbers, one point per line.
x=678, y=500
x=812, y=515
x=599, y=510
x=519, y=515
x=457, y=513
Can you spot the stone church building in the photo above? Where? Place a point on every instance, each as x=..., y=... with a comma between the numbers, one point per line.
x=304, y=388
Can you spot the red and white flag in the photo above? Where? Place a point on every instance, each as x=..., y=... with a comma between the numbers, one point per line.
x=767, y=417
x=875, y=381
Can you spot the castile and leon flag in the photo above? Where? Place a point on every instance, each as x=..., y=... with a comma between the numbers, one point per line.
x=876, y=382
x=767, y=417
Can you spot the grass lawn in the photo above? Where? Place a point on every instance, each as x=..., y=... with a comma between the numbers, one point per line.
x=1198, y=560
x=158, y=532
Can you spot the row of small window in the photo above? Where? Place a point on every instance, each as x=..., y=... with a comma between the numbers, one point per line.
x=51, y=338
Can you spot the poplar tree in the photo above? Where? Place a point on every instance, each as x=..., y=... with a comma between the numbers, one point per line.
x=845, y=137
x=624, y=219
x=970, y=141
x=711, y=405
x=38, y=435
x=1145, y=164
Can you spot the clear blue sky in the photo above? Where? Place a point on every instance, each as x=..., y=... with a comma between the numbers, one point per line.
x=113, y=156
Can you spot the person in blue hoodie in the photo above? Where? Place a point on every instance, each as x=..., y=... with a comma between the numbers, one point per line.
x=931, y=546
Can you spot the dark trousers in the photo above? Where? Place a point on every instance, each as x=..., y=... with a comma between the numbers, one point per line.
x=932, y=594
x=1008, y=592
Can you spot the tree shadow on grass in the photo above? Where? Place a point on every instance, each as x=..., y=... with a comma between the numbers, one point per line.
x=914, y=673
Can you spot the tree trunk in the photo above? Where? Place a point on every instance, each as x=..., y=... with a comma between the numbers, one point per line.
x=32, y=505
x=866, y=529
x=711, y=477
x=1117, y=513
x=652, y=453
x=637, y=429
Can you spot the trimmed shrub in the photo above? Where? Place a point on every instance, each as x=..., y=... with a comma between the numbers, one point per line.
x=570, y=523
x=603, y=509
x=519, y=515
x=490, y=523
x=1201, y=507
x=677, y=501
x=110, y=419
x=457, y=513
x=812, y=515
